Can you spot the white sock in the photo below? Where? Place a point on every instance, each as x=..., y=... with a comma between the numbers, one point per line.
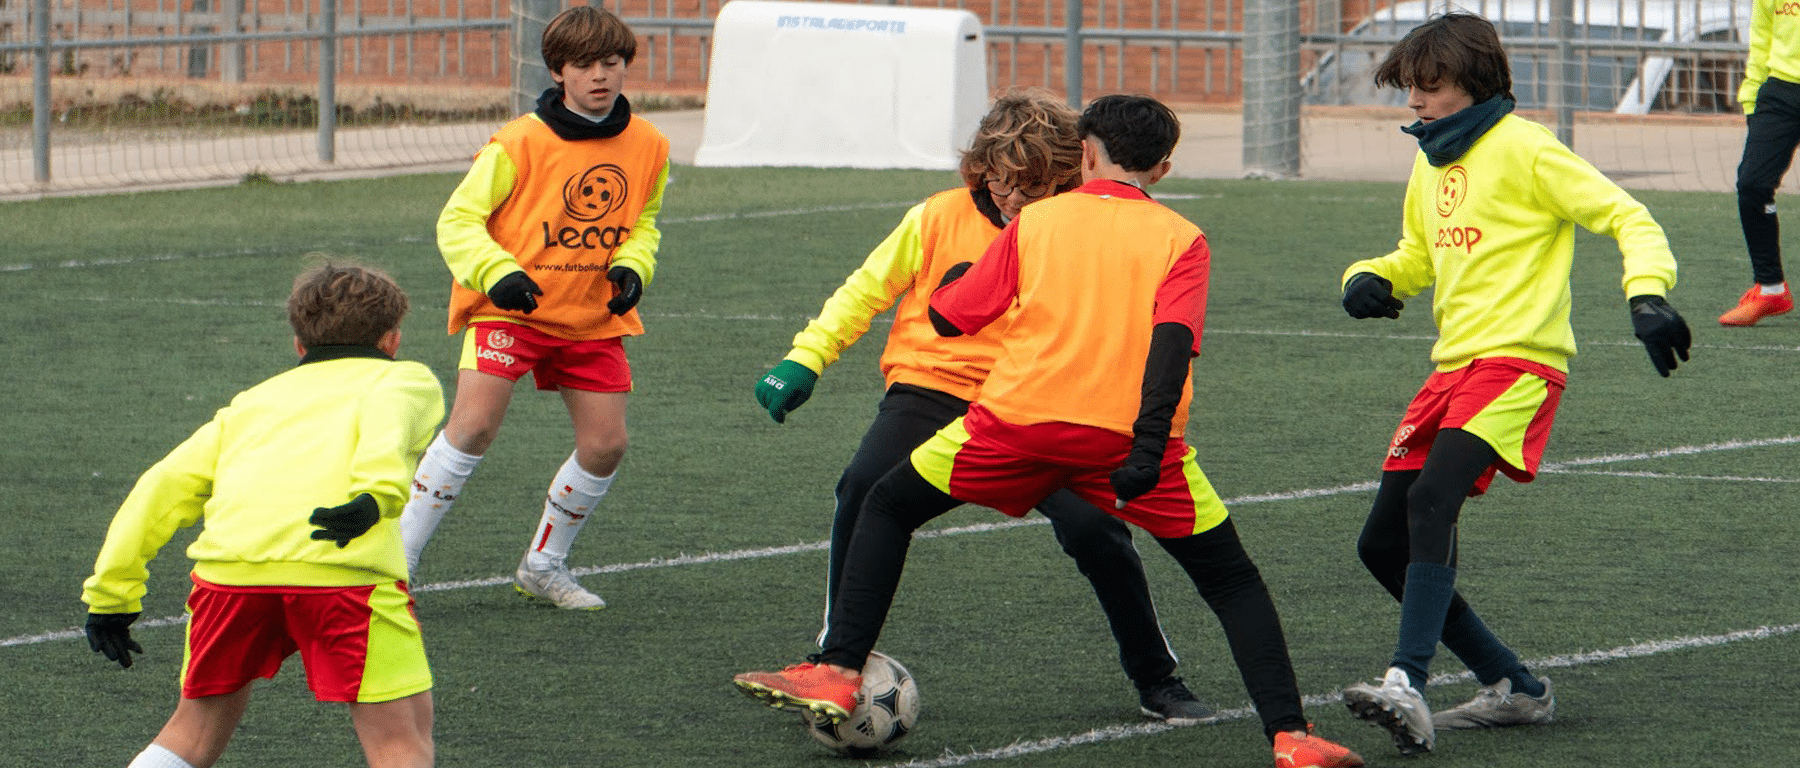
x=155, y=756
x=1776, y=289
x=442, y=472
x=573, y=495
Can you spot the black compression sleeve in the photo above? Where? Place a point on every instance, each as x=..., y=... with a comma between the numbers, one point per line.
x=1166, y=374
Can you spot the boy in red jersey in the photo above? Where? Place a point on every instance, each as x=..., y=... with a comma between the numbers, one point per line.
x=1055, y=413
x=551, y=238
x=1489, y=221
x=1024, y=150
x=269, y=579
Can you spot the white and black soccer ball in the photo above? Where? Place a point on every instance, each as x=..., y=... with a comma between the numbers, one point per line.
x=889, y=710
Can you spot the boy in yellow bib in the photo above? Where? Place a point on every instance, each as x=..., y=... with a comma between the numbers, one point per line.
x=1489, y=221
x=298, y=481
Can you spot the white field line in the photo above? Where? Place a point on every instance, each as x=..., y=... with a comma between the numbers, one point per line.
x=1114, y=733
x=161, y=257
x=1008, y=523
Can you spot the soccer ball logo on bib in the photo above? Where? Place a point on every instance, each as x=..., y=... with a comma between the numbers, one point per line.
x=1453, y=186
x=595, y=192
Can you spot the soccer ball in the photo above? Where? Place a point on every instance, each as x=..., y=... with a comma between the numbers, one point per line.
x=889, y=710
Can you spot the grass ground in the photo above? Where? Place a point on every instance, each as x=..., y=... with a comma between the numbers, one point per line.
x=1634, y=572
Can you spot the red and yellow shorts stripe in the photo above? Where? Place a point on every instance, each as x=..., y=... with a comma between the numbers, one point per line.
x=359, y=644
x=981, y=459
x=1507, y=402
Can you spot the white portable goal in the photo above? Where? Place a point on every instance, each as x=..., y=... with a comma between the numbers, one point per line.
x=828, y=85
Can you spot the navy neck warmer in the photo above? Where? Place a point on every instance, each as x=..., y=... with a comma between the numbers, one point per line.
x=1446, y=139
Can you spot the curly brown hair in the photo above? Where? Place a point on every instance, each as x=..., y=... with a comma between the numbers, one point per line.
x=335, y=303
x=1028, y=136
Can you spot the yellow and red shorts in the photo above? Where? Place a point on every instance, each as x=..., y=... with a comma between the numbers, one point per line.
x=981, y=459
x=1508, y=402
x=359, y=644
x=509, y=350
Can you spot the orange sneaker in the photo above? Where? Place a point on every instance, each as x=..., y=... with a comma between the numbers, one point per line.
x=828, y=694
x=1755, y=305
x=1301, y=749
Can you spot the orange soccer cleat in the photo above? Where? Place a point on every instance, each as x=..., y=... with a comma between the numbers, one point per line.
x=1755, y=305
x=817, y=688
x=1301, y=749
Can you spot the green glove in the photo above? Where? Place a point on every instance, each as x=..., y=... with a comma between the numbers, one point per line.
x=785, y=388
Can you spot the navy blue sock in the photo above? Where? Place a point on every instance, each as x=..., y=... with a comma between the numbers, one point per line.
x=1526, y=683
x=1429, y=588
x=1483, y=653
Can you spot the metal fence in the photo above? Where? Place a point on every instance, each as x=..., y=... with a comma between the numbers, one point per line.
x=98, y=69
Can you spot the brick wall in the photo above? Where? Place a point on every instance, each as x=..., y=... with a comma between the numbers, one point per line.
x=670, y=61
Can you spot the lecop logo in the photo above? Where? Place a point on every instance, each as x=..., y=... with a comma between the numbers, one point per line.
x=595, y=192
x=1453, y=186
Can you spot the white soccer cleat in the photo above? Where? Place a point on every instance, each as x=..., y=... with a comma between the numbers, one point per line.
x=1396, y=706
x=1496, y=706
x=555, y=585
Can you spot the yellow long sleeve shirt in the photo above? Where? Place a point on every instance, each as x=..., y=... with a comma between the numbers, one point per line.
x=1774, y=48
x=318, y=435
x=1494, y=232
x=932, y=237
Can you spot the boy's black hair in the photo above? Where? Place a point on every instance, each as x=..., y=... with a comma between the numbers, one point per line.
x=584, y=34
x=1137, y=132
x=1459, y=48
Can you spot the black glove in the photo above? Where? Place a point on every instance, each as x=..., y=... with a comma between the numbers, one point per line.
x=1660, y=327
x=516, y=292
x=1141, y=472
x=1371, y=295
x=631, y=289
x=110, y=634
x=346, y=521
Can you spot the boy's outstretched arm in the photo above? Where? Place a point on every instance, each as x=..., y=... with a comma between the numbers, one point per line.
x=889, y=271
x=169, y=496
x=968, y=298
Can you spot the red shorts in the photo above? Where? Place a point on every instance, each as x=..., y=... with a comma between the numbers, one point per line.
x=981, y=459
x=508, y=350
x=358, y=643
x=1508, y=402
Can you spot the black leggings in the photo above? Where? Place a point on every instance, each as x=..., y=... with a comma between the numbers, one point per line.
x=1100, y=543
x=1414, y=521
x=1771, y=134
x=1215, y=560
x=1414, y=516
